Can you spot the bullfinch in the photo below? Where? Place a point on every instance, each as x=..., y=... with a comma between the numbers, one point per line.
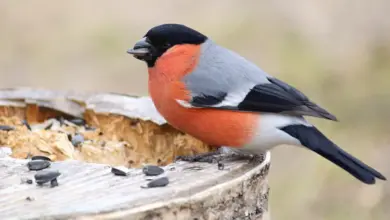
x=221, y=98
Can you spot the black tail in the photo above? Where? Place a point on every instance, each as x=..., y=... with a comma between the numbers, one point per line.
x=313, y=139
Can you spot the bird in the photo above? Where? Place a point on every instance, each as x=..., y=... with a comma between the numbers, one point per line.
x=221, y=98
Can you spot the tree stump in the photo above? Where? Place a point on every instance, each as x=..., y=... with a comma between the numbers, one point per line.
x=115, y=130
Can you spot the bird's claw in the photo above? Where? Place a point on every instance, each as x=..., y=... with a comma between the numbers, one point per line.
x=215, y=157
x=204, y=157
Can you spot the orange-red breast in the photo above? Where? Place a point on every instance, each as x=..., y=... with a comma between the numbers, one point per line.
x=216, y=95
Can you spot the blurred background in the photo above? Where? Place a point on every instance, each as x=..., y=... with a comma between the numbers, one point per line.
x=337, y=52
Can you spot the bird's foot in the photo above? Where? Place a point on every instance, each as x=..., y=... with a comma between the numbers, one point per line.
x=209, y=157
x=223, y=154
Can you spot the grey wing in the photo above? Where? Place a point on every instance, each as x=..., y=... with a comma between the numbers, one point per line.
x=225, y=80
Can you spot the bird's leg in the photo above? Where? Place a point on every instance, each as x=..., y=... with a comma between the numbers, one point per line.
x=222, y=154
x=232, y=154
x=208, y=157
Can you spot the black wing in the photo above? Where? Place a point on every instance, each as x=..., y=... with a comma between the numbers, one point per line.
x=275, y=97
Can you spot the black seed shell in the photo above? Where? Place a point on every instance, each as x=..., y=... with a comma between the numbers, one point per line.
x=119, y=171
x=38, y=164
x=160, y=182
x=78, y=121
x=45, y=176
x=152, y=170
x=6, y=128
x=26, y=124
x=40, y=157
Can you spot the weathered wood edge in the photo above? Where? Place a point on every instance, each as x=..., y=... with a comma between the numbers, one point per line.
x=222, y=197
x=159, y=209
x=75, y=104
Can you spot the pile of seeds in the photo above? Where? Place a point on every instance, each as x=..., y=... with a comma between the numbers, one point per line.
x=44, y=174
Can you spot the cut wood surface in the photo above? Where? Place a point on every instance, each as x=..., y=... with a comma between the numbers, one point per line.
x=128, y=131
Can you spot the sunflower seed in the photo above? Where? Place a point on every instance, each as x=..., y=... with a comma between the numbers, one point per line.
x=26, y=124
x=6, y=128
x=48, y=127
x=45, y=176
x=40, y=157
x=78, y=121
x=160, y=182
x=120, y=171
x=152, y=170
x=38, y=164
x=29, y=198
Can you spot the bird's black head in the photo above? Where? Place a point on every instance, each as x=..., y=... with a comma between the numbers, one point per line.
x=162, y=37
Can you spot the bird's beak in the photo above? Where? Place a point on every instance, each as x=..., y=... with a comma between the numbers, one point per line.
x=141, y=49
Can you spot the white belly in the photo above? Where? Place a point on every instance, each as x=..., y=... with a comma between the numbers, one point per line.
x=268, y=134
